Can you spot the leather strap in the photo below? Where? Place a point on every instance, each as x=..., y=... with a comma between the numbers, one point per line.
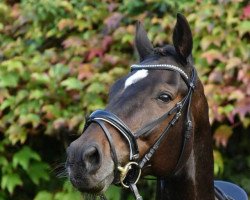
x=111, y=144
x=188, y=132
x=103, y=115
x=133, y=188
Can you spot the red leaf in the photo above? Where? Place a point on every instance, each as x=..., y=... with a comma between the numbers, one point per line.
x=15, y=11
x=212, y=55
x=84, y=71
x=112, y=6
x=216, y=77
x=113, y=21
x=72, y=42
x=222, y=135
x=111, y=59
x=242, y=107
x=95, y=52
x=106, y=42
x=65, y=23
x=60, y=123
x=246, y=12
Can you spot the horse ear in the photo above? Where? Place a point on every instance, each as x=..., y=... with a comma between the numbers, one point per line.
x=142, y=43
x=182, y=38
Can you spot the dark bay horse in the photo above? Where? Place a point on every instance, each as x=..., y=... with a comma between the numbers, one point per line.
x=156, y=123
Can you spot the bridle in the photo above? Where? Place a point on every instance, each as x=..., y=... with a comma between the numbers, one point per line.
x=130, y=173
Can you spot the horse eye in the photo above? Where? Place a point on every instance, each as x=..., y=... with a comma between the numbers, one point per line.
x=164, y=97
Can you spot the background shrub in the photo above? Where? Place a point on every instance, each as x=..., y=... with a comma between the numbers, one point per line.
x=59, y=58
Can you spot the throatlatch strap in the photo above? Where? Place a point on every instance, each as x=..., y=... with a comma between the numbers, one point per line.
x=188, y=132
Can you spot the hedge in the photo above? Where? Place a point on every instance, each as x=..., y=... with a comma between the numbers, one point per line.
x=59, y=58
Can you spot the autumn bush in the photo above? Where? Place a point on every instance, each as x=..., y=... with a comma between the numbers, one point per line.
x=58, y=59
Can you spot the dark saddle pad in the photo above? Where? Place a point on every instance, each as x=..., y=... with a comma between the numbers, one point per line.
x=229, y=191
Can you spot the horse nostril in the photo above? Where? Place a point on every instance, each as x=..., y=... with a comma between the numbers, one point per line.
x=92, y=159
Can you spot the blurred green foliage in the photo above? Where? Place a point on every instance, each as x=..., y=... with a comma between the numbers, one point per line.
x=59, y=58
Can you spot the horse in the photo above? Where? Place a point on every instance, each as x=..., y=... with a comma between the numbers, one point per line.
x=156, y=123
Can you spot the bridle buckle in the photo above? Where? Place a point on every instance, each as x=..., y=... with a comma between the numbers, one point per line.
x=129, y=174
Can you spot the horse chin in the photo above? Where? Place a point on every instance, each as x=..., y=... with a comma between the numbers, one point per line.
x=93, y=187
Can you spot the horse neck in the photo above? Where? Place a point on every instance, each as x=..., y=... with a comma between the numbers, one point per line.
x=195, y=180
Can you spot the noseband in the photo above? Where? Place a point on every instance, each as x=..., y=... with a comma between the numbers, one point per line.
x=130, y=173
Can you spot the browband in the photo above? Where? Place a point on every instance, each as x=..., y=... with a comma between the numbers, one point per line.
x=161, y=67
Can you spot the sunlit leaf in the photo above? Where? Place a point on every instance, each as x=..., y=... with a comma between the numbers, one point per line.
x=218, y=163
x=43, y=195
x=222, y=135
x=72, y=84
x=16, y=133
x=32, y=118
x=9, y=79
x=96, y=88
x=58, y=71
x=10, y=181
x=24, y=157
x=243, y=27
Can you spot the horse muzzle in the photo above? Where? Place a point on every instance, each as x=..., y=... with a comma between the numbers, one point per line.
x=83, y=165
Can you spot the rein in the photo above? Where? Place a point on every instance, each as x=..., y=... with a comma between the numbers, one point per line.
x=130, y=173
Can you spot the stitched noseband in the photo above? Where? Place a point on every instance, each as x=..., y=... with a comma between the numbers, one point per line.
x=130, y=173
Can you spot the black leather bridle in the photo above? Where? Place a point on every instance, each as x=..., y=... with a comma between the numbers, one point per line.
x=130, y=173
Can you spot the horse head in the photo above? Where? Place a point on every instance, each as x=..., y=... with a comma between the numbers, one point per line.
x=150, y=121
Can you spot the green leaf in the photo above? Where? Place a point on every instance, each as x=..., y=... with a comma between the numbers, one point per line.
x=10, y=79
x=93, y=101
x=96, y=88
x=13, y=65
x=52, y=110
x=68, y=193
x=58, y=71
x=16, y=133
x=38, y=171
x=10, y=181
x=113, y=193
x=10, y=102
x=243, y=27
x=24, y=157
x=68, y=196
x=3, y=161
x=41, y=78
x=72, y=84
x=43, y=195
x=127, y=38
x=34, y=119
x=21, y=95
x=37, y=94
x=218, y=163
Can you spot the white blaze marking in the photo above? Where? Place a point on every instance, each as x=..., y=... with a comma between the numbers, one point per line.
x=140, y=74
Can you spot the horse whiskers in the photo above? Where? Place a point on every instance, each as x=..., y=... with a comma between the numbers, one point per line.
x=102, y=197
x=62, y=174
x=88, y=196
x=60, y=170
